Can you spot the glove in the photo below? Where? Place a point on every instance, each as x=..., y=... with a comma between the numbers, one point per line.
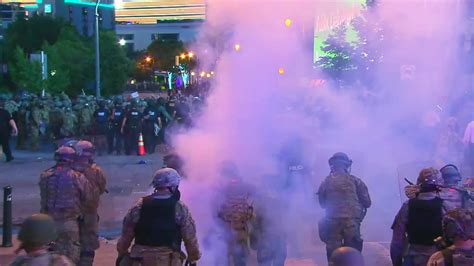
x=411, y=191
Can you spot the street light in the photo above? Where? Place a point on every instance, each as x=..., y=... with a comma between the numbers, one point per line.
x=183, y=56
x=148, y=59
x=97, y=52
x=281, y=71
x=190, y=54
x=122, y=42
x=237, y=47
x=288, y=22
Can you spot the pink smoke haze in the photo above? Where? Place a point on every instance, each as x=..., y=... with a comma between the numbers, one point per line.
x=253, y=110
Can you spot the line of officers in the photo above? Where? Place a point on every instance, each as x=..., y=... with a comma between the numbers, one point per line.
x=158, y=224
x=57, y=118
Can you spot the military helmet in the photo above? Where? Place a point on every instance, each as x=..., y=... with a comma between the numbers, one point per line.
x=450, y=174
x=37, y=230
x=84, y=148
x=429, y=176
x=65, y=154
x=346, y=256
x=459, y=223
x=228, y=169
x=166, y=178
x=340, y=158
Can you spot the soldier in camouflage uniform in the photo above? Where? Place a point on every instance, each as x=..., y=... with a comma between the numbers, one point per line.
x=21, y=122
x=236, y=212
x=36, y=234
x=345, y=199
x=64, y=194
x=34, y=123
x=451, y=191
x=89, y=226
x=418, y=223
x=69, y=121
x=458, y=228
x=158, y=223
x=84, y=115
x=55, y=116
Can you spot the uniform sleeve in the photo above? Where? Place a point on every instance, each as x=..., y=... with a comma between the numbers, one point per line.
x=363, y=194
x=43, y=193
x=468, y=133
x=100, y=179
x=322, y=194
x=128, y=233
x=188, y=231
x=397, y=246
x=436, y=259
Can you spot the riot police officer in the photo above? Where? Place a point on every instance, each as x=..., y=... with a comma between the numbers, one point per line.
x=101, y=119
x=151, y=126
x=114, y=138
x=131, y=128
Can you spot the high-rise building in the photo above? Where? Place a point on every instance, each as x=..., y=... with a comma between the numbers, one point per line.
x=140, y=22
x=153, y=11
x=80, y=13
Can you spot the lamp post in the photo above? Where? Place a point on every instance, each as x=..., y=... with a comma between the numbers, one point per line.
x=97, y=52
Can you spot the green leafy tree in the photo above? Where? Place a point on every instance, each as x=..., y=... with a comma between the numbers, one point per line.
x=71, y=60
x=115, y=67
x=26, y=74
x=337, y=61
x=164, y=53
x=31, y=33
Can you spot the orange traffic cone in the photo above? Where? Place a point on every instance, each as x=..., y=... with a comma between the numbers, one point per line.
x=141, y=145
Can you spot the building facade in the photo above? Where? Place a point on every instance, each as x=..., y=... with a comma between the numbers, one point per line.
x=140, y=22
x=80, y=13
x=139, y=36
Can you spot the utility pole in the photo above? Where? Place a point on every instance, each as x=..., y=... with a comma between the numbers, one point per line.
x=97, y=52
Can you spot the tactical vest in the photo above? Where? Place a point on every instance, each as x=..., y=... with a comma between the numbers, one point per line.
x=118, y=115
x=133, y=119
x=157, y=225
x=424, y=221
x=61, y=193
x=152, y=115
x=102, y=116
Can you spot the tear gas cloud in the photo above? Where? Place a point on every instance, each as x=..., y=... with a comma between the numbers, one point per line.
x=254, y=115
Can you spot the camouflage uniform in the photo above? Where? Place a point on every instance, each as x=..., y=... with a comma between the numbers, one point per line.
x=63, y=194
x=69, y=120
x=458, y=227
x=236, y=211
x=34, y=126
x=89, y=226
x=411, y=244
x=345, y=199
x=20, y=120
x=43, y=259
x=158, y=223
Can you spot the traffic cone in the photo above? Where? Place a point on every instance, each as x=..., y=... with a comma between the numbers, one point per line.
x=141, y=145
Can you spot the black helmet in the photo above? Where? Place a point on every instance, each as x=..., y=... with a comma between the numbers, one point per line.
x=340, y=159
x=450, y=174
